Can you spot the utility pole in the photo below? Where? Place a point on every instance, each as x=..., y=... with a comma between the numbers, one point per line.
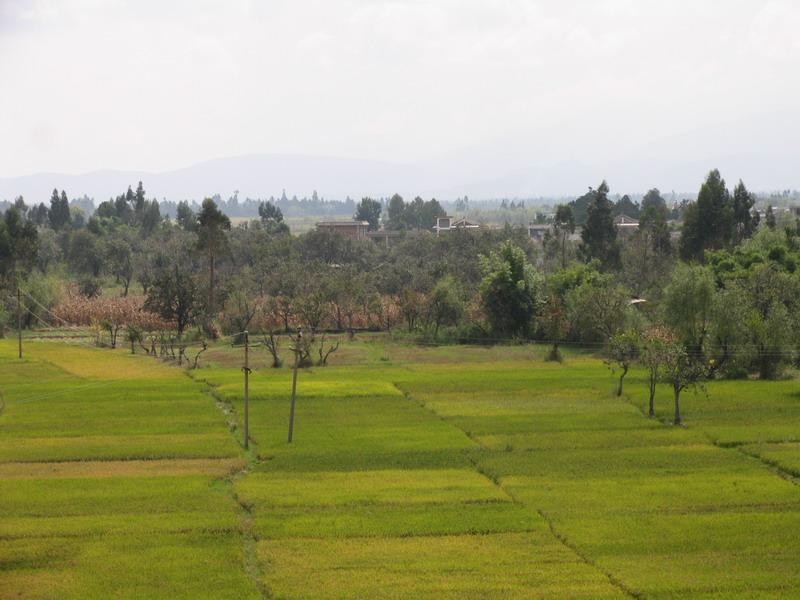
x=246, y=370
x=19, y=319
x=294, y=382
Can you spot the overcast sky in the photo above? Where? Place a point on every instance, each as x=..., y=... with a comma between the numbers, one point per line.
x=156, y=85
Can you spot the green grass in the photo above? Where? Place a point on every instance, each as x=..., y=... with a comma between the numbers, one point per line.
x=108, y=525
x=436, y=472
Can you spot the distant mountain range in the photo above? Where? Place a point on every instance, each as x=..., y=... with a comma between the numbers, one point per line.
x=265, y=175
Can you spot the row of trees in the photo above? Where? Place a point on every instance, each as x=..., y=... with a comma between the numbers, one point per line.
x=201, y=274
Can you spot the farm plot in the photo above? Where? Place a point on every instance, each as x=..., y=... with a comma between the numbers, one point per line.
x=661, y=509
x=113, y=480
x=442, y=475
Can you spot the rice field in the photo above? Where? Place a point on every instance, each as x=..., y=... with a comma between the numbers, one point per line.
x=445, y=472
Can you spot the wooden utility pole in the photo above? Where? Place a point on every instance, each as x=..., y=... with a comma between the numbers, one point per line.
x=19, y=319
x=246, y=370
x=294, y=382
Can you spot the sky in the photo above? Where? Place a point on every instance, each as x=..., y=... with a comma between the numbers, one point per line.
x=468, y=85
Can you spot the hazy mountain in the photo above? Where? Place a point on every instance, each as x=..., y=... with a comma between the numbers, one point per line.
x=260, y=175
x=746, y=150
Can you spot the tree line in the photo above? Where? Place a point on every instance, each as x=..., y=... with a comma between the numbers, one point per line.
x=724, y=291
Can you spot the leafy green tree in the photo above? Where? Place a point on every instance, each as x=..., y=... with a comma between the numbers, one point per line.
x=681, y=371
x=653, y=222
x=172, y=291
x=745, y=217
x=272, y=218
x=563, y=227
x=647, y=255
x=396, y=211
x=623, y=349
x=119, y=254
x=185, y=217
x=599, y=235
x=511, y=291
x=708, y=222
x=59, y=210
x=654, y=353
x=149, y=217
x=212, y=224
x=86, y=254
x=688, y=306
x=370, y=211
x=770, y=219
x=771, y=313
x=138, y=199
x=555, y=324
x=18, y=248
x=445, y=305
x=429, y=212
x=626, y=206
x=598, y=309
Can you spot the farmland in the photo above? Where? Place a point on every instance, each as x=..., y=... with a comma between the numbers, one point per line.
x=419, y=472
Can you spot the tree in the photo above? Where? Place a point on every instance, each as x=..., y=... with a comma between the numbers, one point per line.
x=86, y=254
x=119, y=254
x=688, y=306
x=138, y=199
x=653, y=222
x=411, y=304
x=272, y=218
x=428, y=213
x=186, y=218
x=396, y=212
x=647, y=255
x=18, y=245
x=370, y=211
x=771, y=310
x=770, y=218
x=681, y=371
x=172, y=291
x=598, y=309
x=149, y=217
x=599, y=235
x=510, y=291
x=745, y=217
x=623, y=348
x=444, y=306
x=59, y=210
x=564, y=226
x=555, y=324
x=654, y=354
x=626, y=206
x=211, y=227
x=708, y=222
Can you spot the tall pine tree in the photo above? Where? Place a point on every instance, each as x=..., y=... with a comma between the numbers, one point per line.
x=599, y=234
x=708, y=222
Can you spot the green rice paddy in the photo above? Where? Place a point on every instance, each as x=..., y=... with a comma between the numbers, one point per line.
x=453, y=472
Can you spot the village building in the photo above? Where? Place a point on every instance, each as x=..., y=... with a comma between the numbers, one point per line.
x=354, y=230
x=538, y=231
x=387, y=237
x=448, y=223
x=626, y=226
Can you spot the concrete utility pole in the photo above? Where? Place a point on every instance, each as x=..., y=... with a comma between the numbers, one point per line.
x=246, y=370
x=19, y=319
x=294, y=383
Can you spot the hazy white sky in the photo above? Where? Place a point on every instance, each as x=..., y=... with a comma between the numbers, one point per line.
x=155, y=85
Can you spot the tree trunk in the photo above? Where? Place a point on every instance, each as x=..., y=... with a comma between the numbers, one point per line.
x=210, y=285
x=621, y=377
x=677, y=406
x=652, y=412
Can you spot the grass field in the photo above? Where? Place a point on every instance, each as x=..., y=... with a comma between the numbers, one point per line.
x=451, y=472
